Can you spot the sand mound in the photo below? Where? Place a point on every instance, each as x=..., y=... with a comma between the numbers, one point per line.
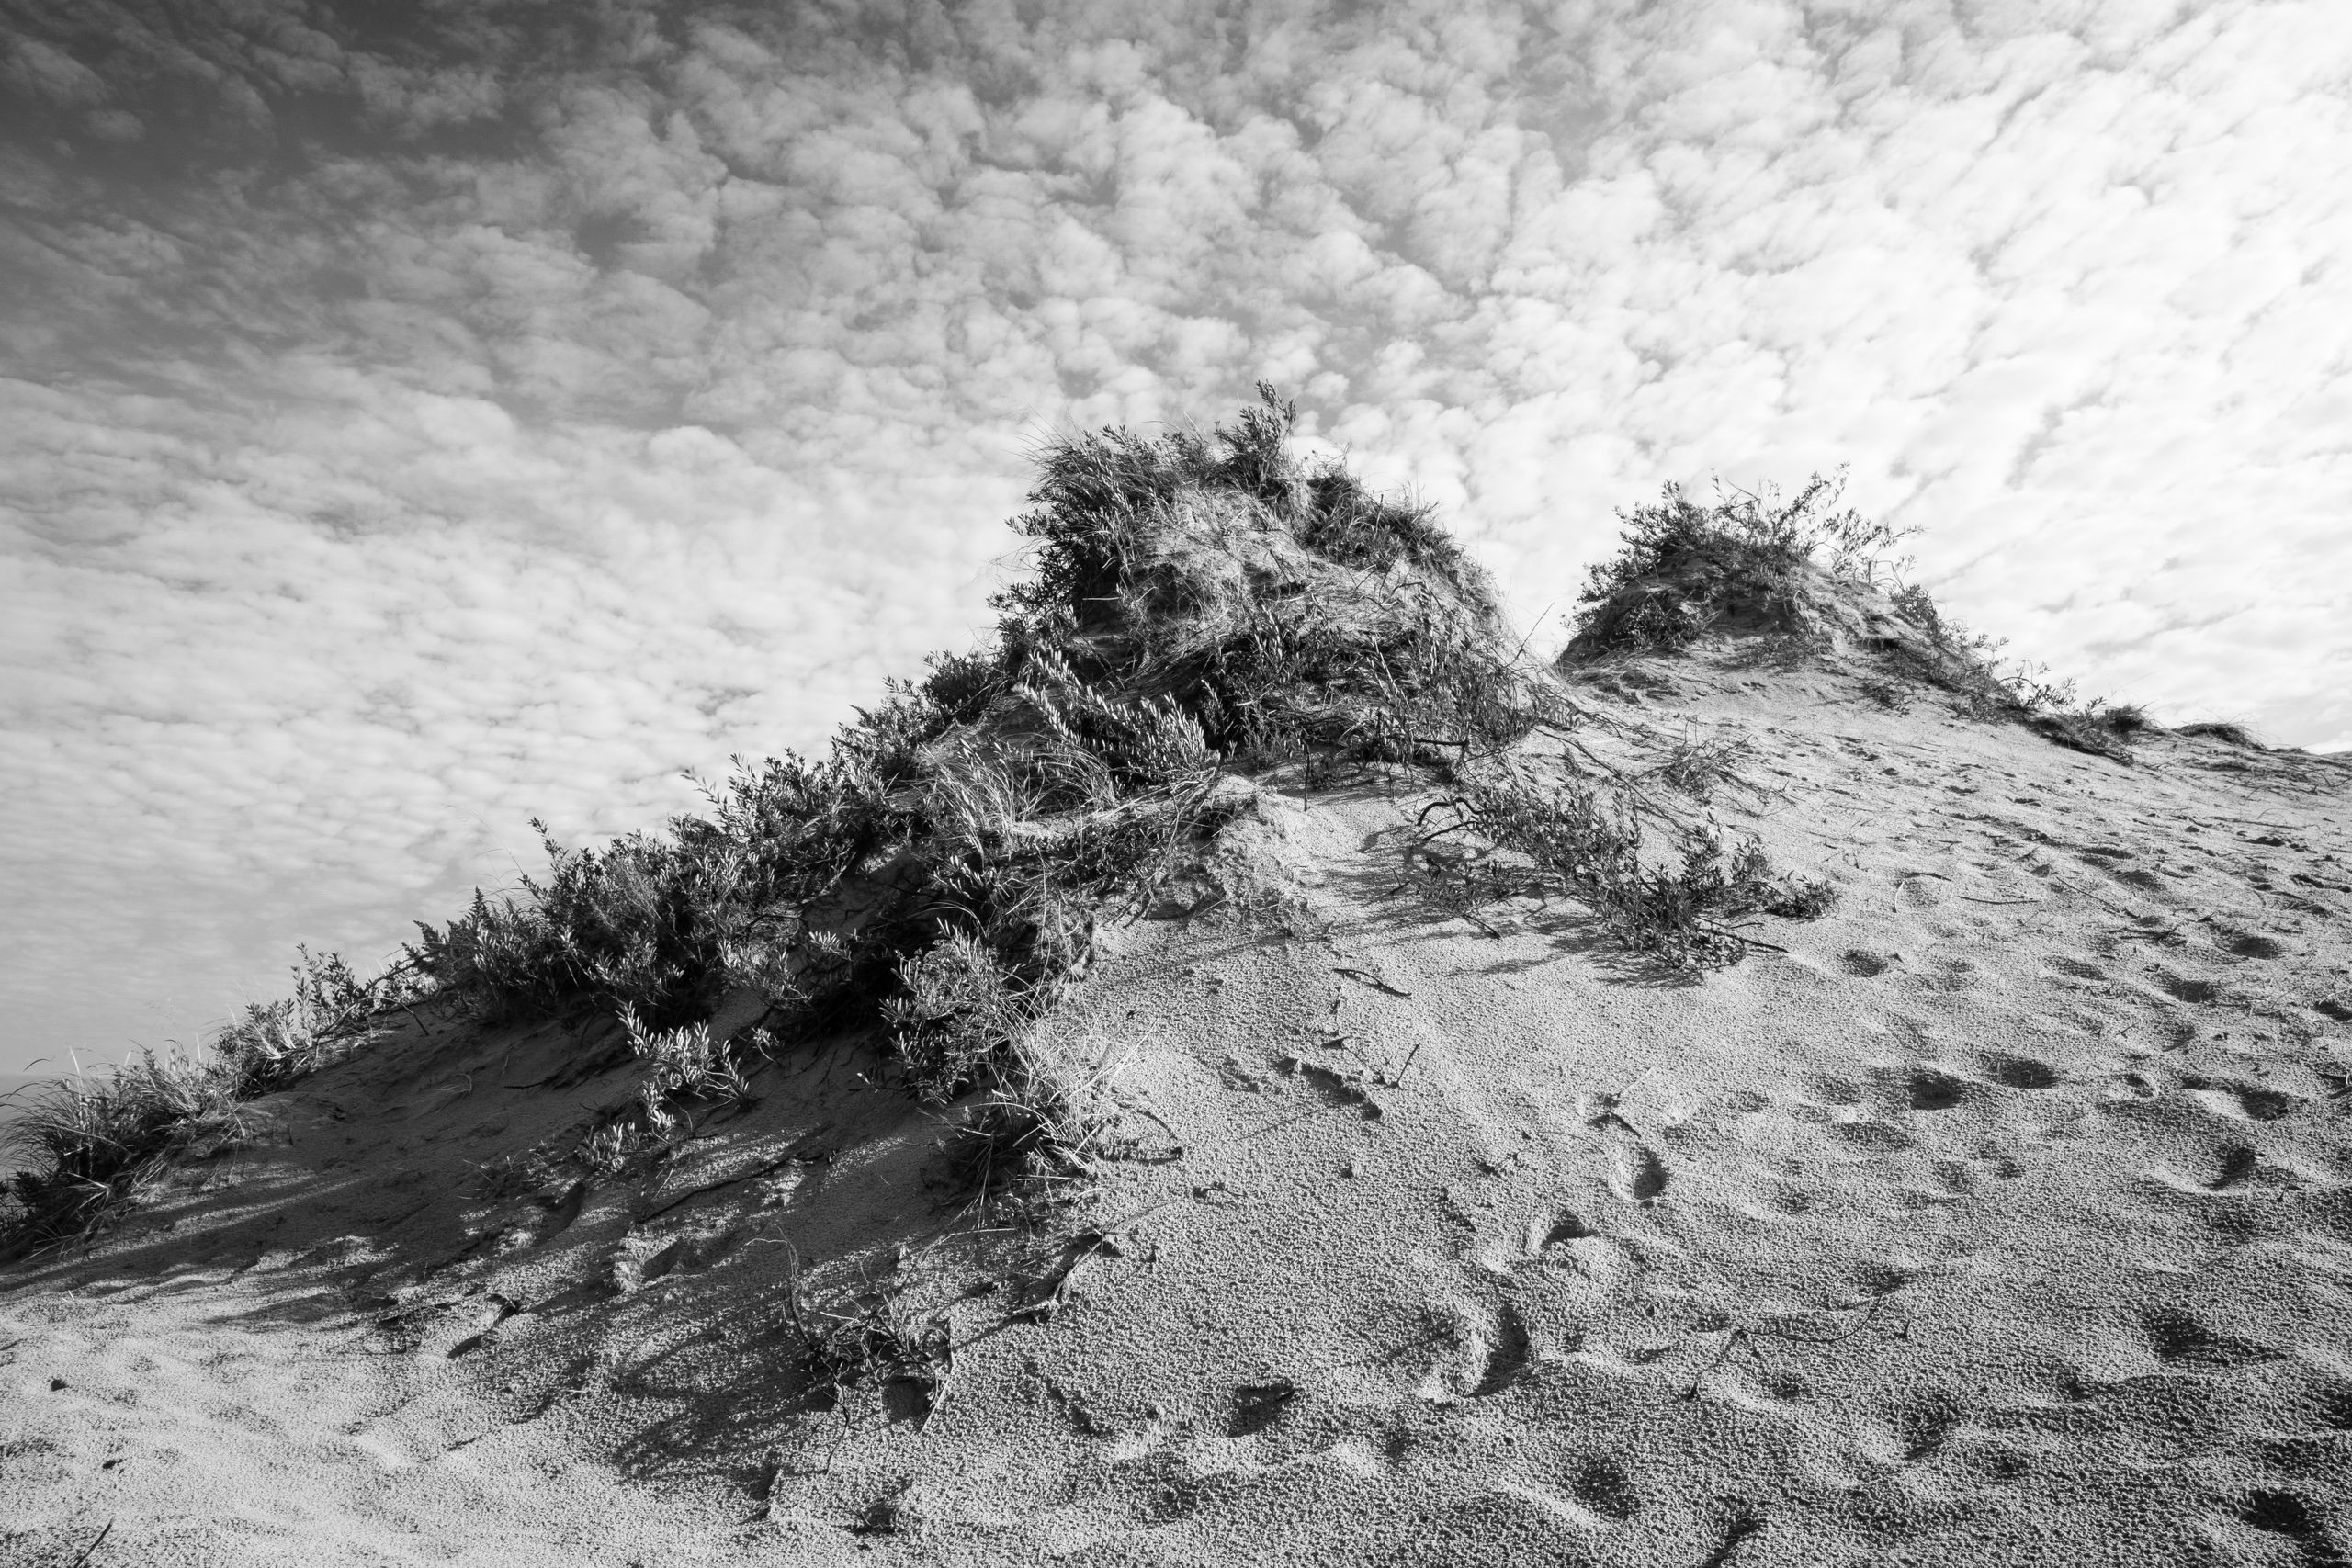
x=1244, y=1071
x=2003, y=1216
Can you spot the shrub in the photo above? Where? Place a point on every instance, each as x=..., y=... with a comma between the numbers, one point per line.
x=1195, y=599
x=1282, y=609
x=1681, y=565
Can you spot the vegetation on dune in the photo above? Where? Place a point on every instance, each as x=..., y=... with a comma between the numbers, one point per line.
x=102, y=1138
x=1573, y=838
x=1682, y=569
x=1756, y=562
x=1201, y=602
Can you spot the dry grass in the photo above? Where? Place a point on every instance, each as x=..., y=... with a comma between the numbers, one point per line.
x=1686, y=908
x=869, y=1342
x=2224, y=731
x=1682, y=567
x=99, y=1140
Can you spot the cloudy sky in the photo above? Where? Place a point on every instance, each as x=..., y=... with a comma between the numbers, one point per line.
x=420, y=414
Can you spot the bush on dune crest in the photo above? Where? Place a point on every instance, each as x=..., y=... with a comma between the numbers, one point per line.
x=1198, y=600
x=1680, y=567
x=1754, y=561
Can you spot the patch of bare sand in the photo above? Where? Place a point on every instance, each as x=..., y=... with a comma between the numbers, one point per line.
x=2003, y=1217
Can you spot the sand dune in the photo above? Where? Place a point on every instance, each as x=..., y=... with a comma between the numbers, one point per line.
x=2006, y=1215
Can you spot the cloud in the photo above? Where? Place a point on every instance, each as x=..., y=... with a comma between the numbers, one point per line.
x=423, y=418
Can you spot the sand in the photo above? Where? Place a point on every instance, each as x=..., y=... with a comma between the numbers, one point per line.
x=2002, y=1218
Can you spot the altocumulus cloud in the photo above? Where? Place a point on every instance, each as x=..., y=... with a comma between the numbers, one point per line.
x=422, y=417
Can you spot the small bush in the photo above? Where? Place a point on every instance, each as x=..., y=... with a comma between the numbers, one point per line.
x=1680, y=566
x=2094, y=728
x=102, y=1139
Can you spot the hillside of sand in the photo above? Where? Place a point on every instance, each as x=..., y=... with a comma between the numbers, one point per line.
x=2002, y=1214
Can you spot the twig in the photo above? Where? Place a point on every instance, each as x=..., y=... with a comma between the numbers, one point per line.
x=94, y=1545
x=1732, y=1341
x=1976, y=900
x=1375, y=981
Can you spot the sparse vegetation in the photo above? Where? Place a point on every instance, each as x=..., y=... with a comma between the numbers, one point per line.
x=103, y=1137
x=1970, y=667
x=873, y=1343
x=1756, y=562
x=1684, y=909
x=2226, y=732
x=1682, y=568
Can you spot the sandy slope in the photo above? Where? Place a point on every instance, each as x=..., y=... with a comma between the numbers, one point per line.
x=2003, y=1218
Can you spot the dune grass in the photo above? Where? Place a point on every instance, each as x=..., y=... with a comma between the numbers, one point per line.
x=101, y=1138
x=1685, y=909
x=1681, y=567
x=1756, y=561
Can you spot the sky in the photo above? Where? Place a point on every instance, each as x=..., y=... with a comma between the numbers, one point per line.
x=419, y=417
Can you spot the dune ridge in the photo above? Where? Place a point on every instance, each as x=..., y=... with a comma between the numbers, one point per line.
x=1993, y=1207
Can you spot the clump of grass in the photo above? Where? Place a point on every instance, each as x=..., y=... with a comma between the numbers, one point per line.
x=2096, y=728
x=1685, y=908
x=99, y=1140
x=2225, y=731
x=872, y=1342
x=1035, y=1142
x=1681, y=567
x=1970, y=667
x=1695, y=767
x=102, y=1139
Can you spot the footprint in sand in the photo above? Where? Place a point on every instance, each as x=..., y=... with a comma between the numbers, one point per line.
x=1568, y=1228
x=1508, y=1354
x=1930, y=1090
x=1601, y=1485
x=1872, y=1138
x=2180, y=1339
x=2284, y=1513
x=2186, y=988
x=1257, y=1406
x=2241, y=1101
x=1924, y=1424
x=2249, y=945
x=2236, y=1163
x=2021, y=1072
x=1640, y=1175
